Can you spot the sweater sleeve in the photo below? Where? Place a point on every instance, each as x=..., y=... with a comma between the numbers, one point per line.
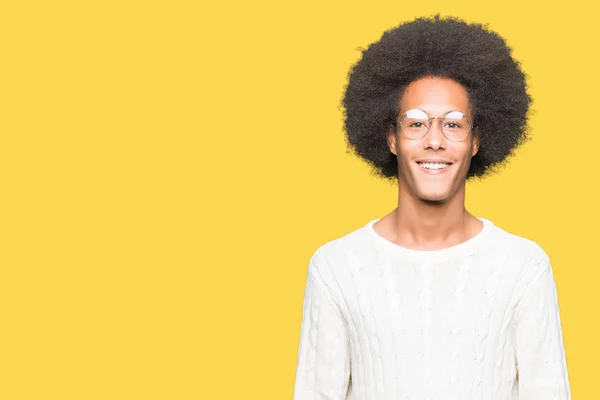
x=323, y=368
x=539, y=348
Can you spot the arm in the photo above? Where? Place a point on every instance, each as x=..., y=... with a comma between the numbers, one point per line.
x=323, y=368
x=539, y=347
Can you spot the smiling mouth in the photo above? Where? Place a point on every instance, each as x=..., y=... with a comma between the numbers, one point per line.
x=434, y=166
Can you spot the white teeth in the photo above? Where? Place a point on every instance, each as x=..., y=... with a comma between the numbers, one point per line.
x=434, y=165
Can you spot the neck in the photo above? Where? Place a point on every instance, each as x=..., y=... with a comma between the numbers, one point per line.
x=428, y=226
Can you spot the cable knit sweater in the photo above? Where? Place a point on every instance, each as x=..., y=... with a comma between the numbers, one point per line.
x=475, y=321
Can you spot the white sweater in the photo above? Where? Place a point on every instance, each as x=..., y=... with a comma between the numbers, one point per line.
x=475, y=321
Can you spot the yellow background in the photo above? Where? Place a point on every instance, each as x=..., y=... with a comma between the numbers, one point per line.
x=168, y=168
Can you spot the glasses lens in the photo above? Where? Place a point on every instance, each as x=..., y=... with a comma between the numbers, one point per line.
x=415, y=123
x=456, y=126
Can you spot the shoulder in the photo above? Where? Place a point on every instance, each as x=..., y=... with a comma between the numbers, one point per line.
x=524, y=260
x=337, y=253
x=516, y=247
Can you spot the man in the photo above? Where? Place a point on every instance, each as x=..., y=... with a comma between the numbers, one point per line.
x=429, y=301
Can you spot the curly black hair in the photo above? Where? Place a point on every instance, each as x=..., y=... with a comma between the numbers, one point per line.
x=470, y=54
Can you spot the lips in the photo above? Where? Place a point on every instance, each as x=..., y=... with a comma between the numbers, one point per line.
x=434, y=161
x=436, y=167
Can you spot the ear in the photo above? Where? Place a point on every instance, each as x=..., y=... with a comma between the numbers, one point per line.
x=391, y=138
x=476, y=140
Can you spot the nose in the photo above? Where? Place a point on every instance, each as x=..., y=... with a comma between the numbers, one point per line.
x=435, y=138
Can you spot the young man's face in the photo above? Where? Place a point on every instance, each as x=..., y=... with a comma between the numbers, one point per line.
x=437, y=97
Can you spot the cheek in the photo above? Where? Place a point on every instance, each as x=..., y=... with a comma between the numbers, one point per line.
x=407, y=149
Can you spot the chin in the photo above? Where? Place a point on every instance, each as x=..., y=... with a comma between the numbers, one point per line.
x=433, y=198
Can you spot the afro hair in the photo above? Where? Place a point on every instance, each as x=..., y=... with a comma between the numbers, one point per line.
x=470, y=54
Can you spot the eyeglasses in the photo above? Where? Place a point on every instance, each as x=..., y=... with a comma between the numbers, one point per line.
x=455, y=125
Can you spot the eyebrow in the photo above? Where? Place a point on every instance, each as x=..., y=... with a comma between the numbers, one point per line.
x=400, y=113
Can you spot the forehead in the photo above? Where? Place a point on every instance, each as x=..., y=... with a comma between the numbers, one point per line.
x=436, y=96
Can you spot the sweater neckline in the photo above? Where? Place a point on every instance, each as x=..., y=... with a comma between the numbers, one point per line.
x=465, y=248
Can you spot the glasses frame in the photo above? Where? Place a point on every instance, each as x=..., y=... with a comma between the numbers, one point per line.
x=399, y=124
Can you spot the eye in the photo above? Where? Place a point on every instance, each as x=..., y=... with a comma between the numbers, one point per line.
x=453, y=125
x=416, y=124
